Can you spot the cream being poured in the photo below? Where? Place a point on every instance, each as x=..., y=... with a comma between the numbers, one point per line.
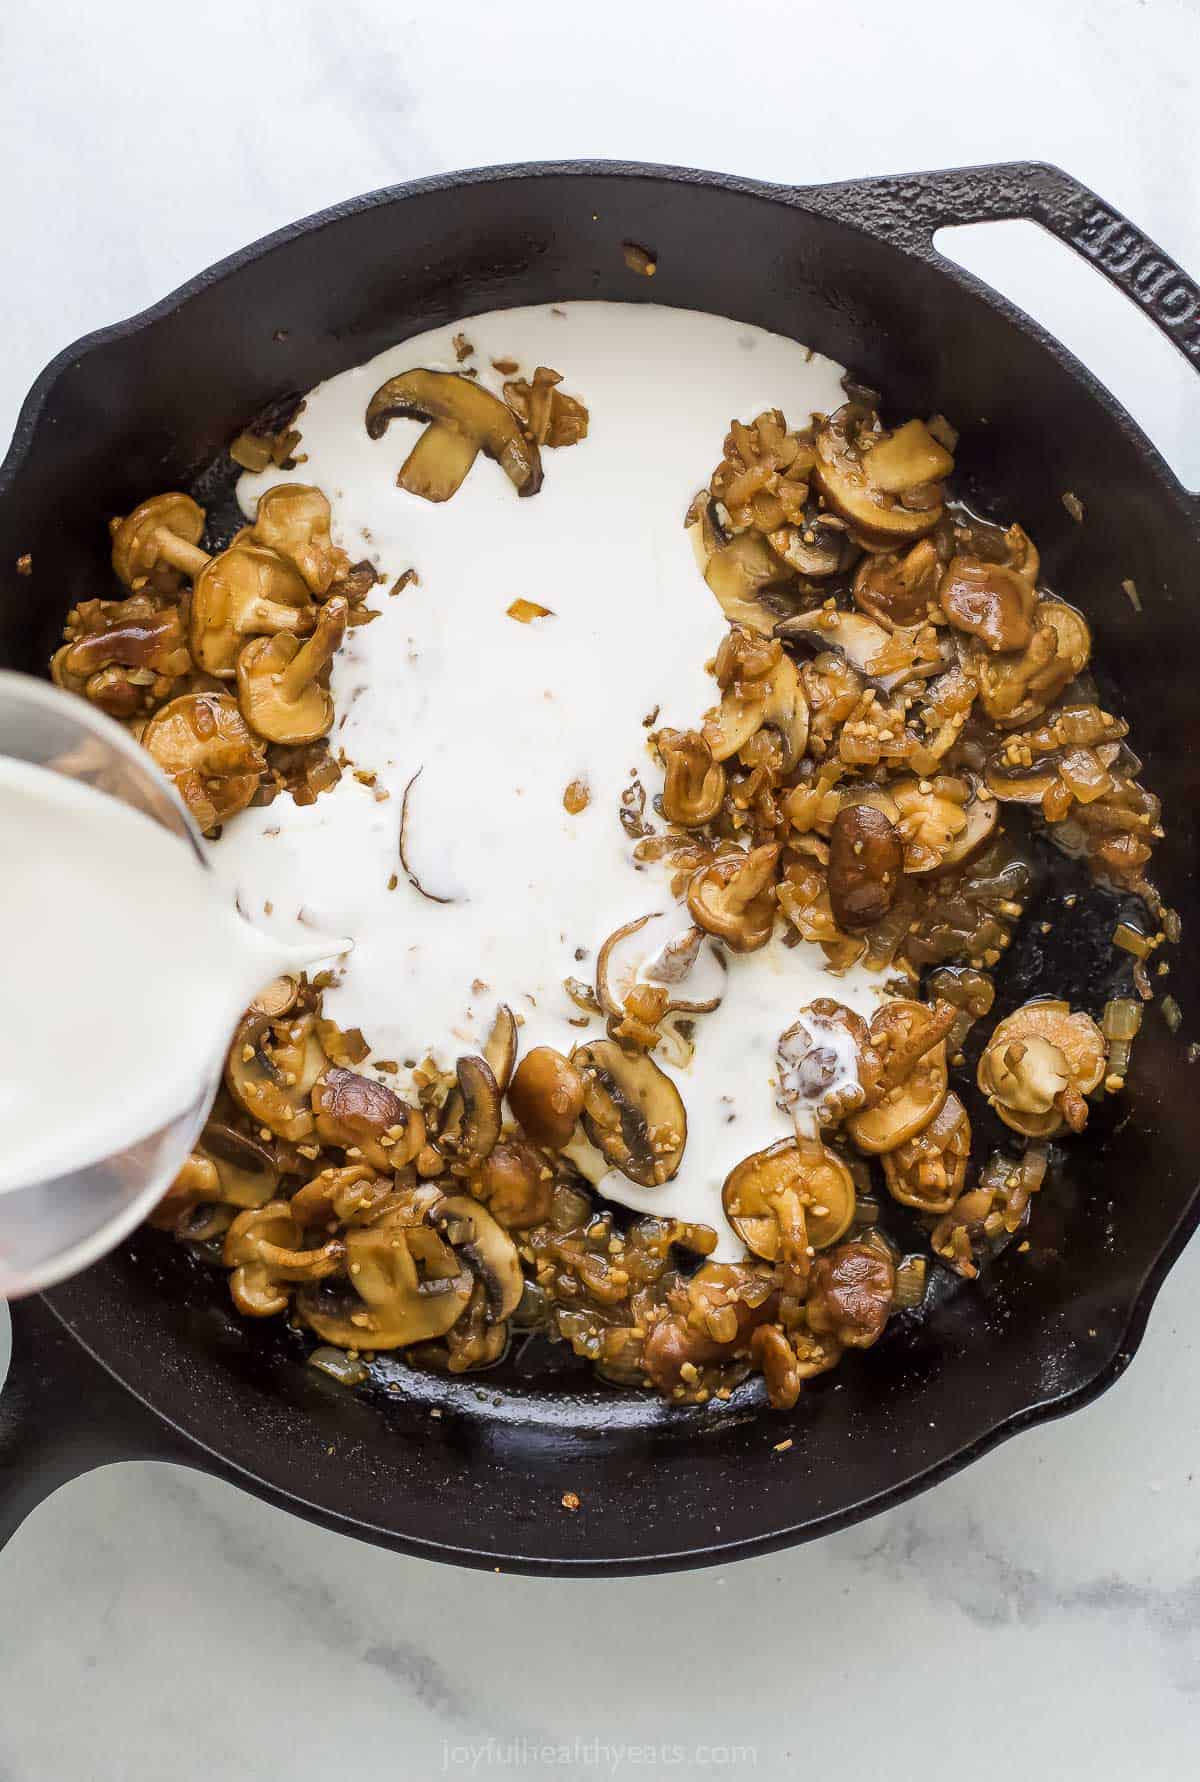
x=485, y=721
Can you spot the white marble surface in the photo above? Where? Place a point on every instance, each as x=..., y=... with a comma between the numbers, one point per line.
x=1038, y=1615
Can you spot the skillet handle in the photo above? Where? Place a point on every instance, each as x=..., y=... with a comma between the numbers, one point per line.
x=62, y=1414
x=910, y=207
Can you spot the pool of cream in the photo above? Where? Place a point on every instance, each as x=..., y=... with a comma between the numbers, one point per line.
x=498, y=717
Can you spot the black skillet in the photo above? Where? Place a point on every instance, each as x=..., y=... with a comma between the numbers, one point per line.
x=141, y=1356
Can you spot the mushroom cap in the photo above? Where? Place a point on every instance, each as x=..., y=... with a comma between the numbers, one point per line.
x=898, y=588
x=546, y=1097
x=908, y=1036
x=988, y=601
x=202, y=744
x=632, y=1112
x=134, y=539
x=850, y=1294
x=304, y=719
x=787, y=1198
x=928, y=1171
x=486, y=1247
x=246, y=591
x=1037, y=1057
x=264, y=1247
x=472, y=1116
x=357, y=1112
x=293, y=521
x=866, y=865
x=460, y=406
x=694, y=784
x=864, y=475
x=389, y=1301
x=733, y=897
x=259, y=1083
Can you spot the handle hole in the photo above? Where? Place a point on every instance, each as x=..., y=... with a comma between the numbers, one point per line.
x=1116, y=341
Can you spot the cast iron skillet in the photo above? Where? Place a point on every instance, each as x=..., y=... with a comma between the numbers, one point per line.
x=141, y=1357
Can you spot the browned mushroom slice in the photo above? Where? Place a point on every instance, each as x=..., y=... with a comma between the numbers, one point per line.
x=632, y=1112
x=247, y=1173
x=739, y=571
x=788, y=1198
x=546, y=1097
x=825, y=1065
x=279, y=679
x=988, y=601
x=898, y=588
x=734, y=897
x=694, y=784
x=348, y=1195
x=910, y=1039
x=271, y=1070
x=247, y=591
x=500, y=1047
x=265, y=1249
x=549, y=415
x=928, y=1171
x=364, y=1116
x=201, y=742
x=486, y=1248
x=818, y=548
x=164, y=529
x=932, y=823
x=277, y=999
x=293, y=521
x=657, y=964
x=473, y=1115
x=850, y=1295
x=404, y=1285
x=887, y=485
x=866, y=862
x=740, y=715
x=454, y=406
x=865, y=645
x=1038, y=1066
x=1017, y=689
x=786, y=712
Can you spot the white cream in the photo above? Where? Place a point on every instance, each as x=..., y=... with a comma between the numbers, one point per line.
x=498, y=717
x=128, y=968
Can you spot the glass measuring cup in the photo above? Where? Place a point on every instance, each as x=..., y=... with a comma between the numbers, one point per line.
x=56, y=1227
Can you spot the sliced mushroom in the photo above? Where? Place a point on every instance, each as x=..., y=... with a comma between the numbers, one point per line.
x=694, y=784
x=928, y=1171
x=739, y=716
x=866, y=862
x=264, y=1249
x=247, y=591
x=660, y=960
x=825, y=1066
x=271, y=1070
x=465, y=419
x=910, y=1040
x=931, y=819
x=362, y=1115
x=738, y=570
x=898, y=588
x=546, y=1097
x=201, y=742
x=473, y=1116
x=247, y=1173
x=277, y=999
x=293, y=520
x=404, y=1285
x=1039, y=1064
x=813, y=549
x=632, y=1112
x=789, y=1199
x=1017, y=689
x=850, y=1294
x=350, y=1195
x=550, y=416
x=988, y=601
x=888, y=486
x=164, y=529
x=734, y=897
x=859, y=639
x=486, y=1248
x=500, y=1047
x=786, y=712
x=516, y=1184
x=279, y=680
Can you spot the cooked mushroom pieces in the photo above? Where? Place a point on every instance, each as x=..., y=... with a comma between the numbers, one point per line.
x=825, y=1066
x=941, y=821
x=463, y=420
x=515, y=1183
x=632, y=1112
x=546, y=1096
x=928, y=1171
x=247, y=591
x=271, y=1070
x=866, y=862
x=734, y=897
x=887, y=657
x=247, y=1174
x=280, y=679
x=698, y=1346
x=293, y=521
x=162, y=534
x=909, y=1038
x=126, y=656
x=740, y=571
x=202, y=744
x=549, y=416
x=1017, y=689
x=898, y=589
x=850, y=1294
x=654, y=966
x=1039, y=1065
x=990, y=602
x=403, y=1284
x=472, y=1116
x=694, y=783
x=487, y=1249
x=887, y=486
x=789, y=1200
x=267, y=1251
x=366, y=1119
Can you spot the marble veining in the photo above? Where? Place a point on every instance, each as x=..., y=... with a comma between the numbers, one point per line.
x=1037, y=1615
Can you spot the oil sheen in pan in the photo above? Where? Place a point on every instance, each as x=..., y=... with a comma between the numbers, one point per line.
x=499, y=717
